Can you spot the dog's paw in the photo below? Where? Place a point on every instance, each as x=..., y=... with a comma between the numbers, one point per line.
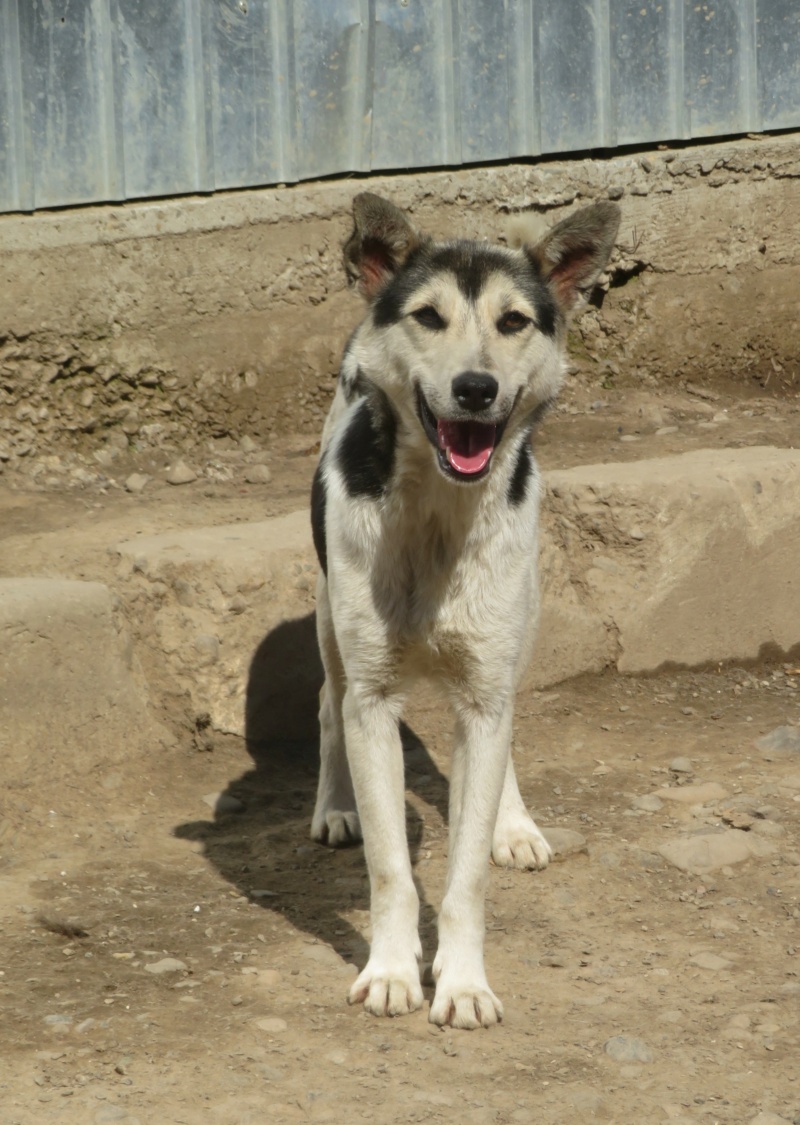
x=388, y=990
x=465, y=1003
x=517, y=842
x=336, y=827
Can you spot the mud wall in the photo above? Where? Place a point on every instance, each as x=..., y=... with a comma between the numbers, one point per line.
x=169, y=323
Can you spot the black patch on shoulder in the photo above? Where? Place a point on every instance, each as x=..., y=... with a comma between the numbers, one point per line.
x=523, y=470
x=319, y=497
x=366, y=452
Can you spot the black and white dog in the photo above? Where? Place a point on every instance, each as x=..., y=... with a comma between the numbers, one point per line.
x=424, y=511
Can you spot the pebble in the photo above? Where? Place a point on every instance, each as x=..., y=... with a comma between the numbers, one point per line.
x=767, y=1118
x=662, y=431
x=273, y=1024
x=711, y=851
x=166, y=965
x=114, y=1113
x=694, y=794
x=648, y=803
x=782, y=742
x=628, y=1048
x=247, y=445
x=180, y=473
x=223, y=803
x=136, y=482
x=681, y=765
x=564, y=841
x=710, y=961
x=257, y=474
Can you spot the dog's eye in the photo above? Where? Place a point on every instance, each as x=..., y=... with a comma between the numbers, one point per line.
x=512, y=322
x=428, y=317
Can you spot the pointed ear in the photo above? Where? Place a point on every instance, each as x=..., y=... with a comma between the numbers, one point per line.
x=381, y=240
x=575, y=252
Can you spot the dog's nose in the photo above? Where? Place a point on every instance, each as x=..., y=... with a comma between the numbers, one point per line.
x=474, y=391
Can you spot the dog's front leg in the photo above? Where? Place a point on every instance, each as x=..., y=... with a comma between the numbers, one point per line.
x=389, y=984
x=463, y=996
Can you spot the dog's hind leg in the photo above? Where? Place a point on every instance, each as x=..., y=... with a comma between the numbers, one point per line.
x=335, y=821
x=517, y=842
x=389, y=984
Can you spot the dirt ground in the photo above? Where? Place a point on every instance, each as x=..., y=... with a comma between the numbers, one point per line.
x=634, y=991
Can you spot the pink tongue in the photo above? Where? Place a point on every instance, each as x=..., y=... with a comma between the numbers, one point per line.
x=468, y=445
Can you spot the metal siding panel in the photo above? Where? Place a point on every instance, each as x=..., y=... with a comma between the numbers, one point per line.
x=716, y=97
x=62, y=85
x=640, y=62
x=409, y=127
x=16, y=188
x=241, y=76
x=154, y=87
x=483, y=52
x=328, y=41
x=109, y=99
x=778, y=55
x=568, y=79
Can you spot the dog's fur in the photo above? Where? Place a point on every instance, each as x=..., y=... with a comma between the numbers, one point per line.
x=424, y=511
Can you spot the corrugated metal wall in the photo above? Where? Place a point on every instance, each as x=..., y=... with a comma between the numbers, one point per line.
x=117, y=99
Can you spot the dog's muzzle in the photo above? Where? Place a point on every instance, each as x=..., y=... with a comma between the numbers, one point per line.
x=464, y=447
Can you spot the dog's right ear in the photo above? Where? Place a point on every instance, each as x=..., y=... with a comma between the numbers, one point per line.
x=381, y=240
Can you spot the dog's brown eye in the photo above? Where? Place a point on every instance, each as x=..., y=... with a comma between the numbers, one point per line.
x=428, y=317
x=512, y=322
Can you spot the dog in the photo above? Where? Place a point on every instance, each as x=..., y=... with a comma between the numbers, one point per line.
x=424, y=517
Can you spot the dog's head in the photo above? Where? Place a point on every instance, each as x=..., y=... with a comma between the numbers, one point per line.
x=466, y=336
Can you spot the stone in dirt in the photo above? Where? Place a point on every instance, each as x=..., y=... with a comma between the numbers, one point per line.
x=223, y=803
x=681, y=765
x=564, y=841
x=767, y=1118
x=783, y=742
x=273, y=1024
x=694, y=794
x=710, y=961
x=628, y=1048
x=257, y=474
x=166, y=965
x=136, y=482
x=180, y=473
x=709, y=851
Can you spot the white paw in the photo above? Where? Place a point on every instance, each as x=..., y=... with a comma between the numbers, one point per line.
x=465, y=1003
x=517, y=842
x=336, y=827
x=388, y=990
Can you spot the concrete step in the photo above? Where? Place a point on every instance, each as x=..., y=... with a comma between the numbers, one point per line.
x=688, y=560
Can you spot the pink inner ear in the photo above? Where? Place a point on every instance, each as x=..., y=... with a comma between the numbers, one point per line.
x=570, y=272
x=375, y=266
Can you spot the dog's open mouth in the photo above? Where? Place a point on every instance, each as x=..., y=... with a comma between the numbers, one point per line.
x=464, y=448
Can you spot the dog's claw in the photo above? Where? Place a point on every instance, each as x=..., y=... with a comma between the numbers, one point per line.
x=337, y=829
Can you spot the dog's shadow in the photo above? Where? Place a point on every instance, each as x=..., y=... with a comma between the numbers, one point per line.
x=259, y=838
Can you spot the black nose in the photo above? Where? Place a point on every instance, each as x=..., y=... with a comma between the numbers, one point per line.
x=474, y=391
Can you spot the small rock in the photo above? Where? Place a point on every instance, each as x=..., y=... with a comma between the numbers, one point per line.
x=247, y=445
x=564, y=841
x=681, y=765
x=180, y=473
x=694, y=794
x=223, y=803
x=166, y=965
x=783, y=742
x=663, y=430
x=136, y=482
x=274, y=1025
x=710, y=961
x=207, y=647
x=648, y=803
x=257, y=474
x=711, y=851
x=767, y=1118
x=628, y=1048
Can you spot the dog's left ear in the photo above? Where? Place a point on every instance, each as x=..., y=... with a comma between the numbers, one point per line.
x=575, y=252
x=382, y=238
